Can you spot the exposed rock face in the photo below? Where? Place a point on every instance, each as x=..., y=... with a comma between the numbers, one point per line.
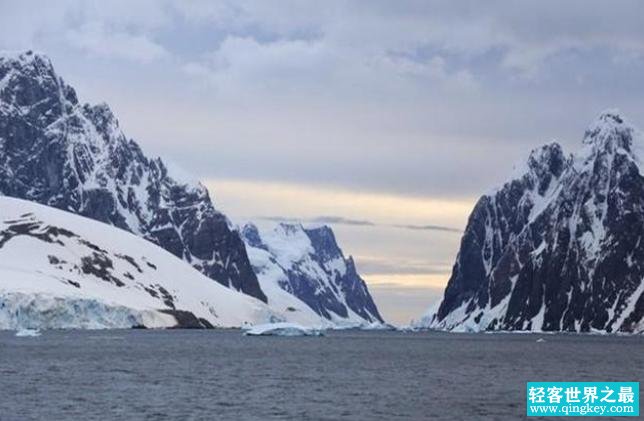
x=308, y=264
x=560, y=246
x=74, y=157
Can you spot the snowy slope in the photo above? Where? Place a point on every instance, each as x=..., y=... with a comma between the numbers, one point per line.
x=59, y=152
x=56, y=151
x=304, y=269
x=559, y=246
x=60, y=270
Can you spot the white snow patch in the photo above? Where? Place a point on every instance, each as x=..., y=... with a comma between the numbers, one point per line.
x=57, y=284
x=288, y=248
x=630, y=307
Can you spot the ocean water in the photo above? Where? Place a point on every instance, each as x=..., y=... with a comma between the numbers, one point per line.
x=213, y=375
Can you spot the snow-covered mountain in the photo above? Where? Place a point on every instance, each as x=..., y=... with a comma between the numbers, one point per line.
x=559, y=247
x=72, y=156
x=304, y=268
x=61, y=270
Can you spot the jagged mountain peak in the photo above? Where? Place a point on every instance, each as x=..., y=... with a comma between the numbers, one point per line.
x=309, y=264
x=538, y=174
x=27, y=59
x=18, y=68
x=611, y=145
x=316, y=240
x=559, y=248
x=57, y=151
x=75, y=157
x=23, y=55
x=546, y=162
x=611, y=131
x=546, y=157
x=29, y=86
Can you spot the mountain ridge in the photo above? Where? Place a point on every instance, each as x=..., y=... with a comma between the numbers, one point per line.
x=309, y=264
x=73, y=156
x=56, y=151
x=558, y=246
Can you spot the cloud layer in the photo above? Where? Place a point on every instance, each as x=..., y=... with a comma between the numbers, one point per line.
x=340, y=220
x=414, y=97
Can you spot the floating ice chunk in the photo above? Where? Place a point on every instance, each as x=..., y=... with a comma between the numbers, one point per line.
x=378, y=326
x=541, y=340
x=282, y=329
x=28, y=333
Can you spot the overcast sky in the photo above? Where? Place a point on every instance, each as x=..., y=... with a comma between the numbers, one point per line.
x=393, y=114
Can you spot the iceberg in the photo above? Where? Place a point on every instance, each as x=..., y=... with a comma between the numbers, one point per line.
x=282, y=329
x=28, y=333
x=378, y=326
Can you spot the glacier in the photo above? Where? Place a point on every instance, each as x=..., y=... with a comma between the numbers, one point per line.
x=61, y=270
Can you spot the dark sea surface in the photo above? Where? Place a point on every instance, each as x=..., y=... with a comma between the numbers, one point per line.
x=222, y=375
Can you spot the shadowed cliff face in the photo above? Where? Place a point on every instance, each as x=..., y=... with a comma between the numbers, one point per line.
x=558, y=248
x=309, y=264
x=57, y=152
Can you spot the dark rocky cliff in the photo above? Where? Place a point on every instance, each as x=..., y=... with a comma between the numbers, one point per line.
x=559, y=247
x=59, y=152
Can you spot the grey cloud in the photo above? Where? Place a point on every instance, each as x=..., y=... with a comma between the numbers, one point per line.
x=418, y=97
x=429, y=228
x=358, y=222
x=320, y=220
x=341, y=220
x=280, y=219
